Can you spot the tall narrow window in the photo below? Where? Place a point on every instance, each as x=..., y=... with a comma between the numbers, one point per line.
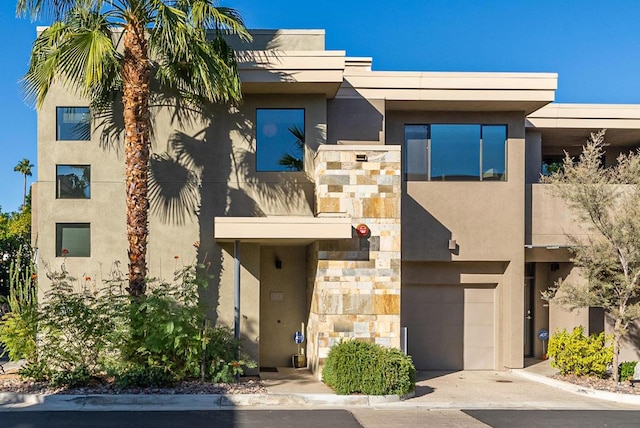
x=415, y=151
x=279, y=139
x=73, y=240
x=73, y=181
x=73, y=124
x=494, y=154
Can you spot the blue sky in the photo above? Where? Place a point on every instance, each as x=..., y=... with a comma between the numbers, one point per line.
x=593, y=45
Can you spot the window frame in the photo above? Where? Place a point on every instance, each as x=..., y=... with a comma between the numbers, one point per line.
x=61, y=250
x=87, y=189
x=60, y=137
x=429, y=153
x=257, y=140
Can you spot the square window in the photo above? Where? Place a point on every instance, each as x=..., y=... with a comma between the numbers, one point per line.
x=280, y=139
x=73, y=181
x=73, y=240
x=73, y=124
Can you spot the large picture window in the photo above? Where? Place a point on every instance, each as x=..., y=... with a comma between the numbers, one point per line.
x=279, y=139
x=455, y=152
x=73, y=181
x=73, y=124
x=73, y=240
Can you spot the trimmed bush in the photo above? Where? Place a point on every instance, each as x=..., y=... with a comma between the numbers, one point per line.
x=366, y=368
x=626, y=370
x=574, y=353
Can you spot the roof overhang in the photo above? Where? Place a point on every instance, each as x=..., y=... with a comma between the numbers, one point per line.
x=281, y=230
x=452, y=91
x=291, y=72
x=567, y=125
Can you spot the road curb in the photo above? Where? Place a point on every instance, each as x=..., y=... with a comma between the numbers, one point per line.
x=576, y=389
x=19, y=401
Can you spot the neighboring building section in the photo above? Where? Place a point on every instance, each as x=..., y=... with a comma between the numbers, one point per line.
x=438, y=172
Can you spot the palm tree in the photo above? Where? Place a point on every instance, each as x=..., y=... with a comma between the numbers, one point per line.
x=24, y=168
x=294, y=161
x=102, y=47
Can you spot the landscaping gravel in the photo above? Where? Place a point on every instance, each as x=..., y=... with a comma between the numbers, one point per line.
x=246, y=385
x=600, y=384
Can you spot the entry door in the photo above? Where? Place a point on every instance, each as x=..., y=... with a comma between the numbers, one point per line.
x=529, y=289
x=283, y=303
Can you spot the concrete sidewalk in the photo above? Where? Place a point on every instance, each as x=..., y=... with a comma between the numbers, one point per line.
x=529, y=388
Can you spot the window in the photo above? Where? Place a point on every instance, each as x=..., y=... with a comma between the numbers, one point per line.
x=279, y=139
x=452, y=152
x=73, y=240
x=73, y=123
x=73, y=181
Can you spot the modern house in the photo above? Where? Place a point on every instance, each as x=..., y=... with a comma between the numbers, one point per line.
x=402, y=208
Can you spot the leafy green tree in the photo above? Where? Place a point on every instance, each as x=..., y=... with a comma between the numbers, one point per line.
x=15, y=247
x=607, y=202
x=24, y=168
x=104, y=47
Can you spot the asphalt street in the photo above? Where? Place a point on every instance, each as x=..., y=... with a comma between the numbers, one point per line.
x=368, y=418
x=190, y=419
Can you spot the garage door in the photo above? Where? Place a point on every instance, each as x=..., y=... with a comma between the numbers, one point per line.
x=450, y=327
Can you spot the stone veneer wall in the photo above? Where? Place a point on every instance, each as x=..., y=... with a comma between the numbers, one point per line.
x=354, y=284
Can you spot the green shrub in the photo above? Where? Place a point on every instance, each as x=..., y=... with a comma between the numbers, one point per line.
x=224, y=358
x=626, y=370
x=38, y=371
x=78, y=376
x=143, y=376
x=76, y=328
x=19, y=326
x=574, y=353
x=360, y=367
x=83, y=331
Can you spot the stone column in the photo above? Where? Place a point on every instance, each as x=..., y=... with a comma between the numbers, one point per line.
x=354, y=284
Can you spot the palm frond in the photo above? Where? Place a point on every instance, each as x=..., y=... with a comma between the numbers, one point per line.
x=53, y=9
x=203, y=73
x=80, y=51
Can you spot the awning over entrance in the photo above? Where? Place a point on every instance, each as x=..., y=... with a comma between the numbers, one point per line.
x=281, y=229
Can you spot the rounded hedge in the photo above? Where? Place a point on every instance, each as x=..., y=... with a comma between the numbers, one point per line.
x=361, y=367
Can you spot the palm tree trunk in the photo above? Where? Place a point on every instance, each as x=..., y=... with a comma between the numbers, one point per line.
x=136, y=72
x=24, y=193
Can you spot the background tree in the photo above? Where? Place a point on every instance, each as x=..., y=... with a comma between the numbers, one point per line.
x=15, y=243
x=101, y=47
x=607, y=202
x=24, y=168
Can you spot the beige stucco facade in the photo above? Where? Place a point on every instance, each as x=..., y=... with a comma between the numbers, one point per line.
x=456, y=265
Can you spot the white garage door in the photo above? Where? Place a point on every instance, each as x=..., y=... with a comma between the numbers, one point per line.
x=450, y=327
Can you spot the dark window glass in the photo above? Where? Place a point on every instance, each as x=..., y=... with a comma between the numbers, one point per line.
x=494, y=152
x=73, y=240
x=280, y=139
x=73, y=181
x=415, y=151
x=455, y=152
x=73, y=123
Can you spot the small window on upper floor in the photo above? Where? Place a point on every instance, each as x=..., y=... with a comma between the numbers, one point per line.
x=73, y=124
x=455, y=152
x=73, y=181
x=279, y=139
x=73, y=240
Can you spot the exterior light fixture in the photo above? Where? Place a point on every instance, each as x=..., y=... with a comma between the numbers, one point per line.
x=362, y=229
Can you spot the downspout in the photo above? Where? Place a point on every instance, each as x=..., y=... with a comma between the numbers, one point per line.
x=236, y=294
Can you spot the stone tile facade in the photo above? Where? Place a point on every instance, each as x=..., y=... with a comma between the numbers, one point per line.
x=354, y=284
